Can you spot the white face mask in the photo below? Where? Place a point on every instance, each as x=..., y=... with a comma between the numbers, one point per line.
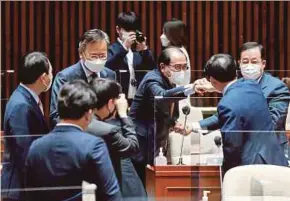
x=251, y=71
x=177, y=78
x=95, y=66
x=164, y=40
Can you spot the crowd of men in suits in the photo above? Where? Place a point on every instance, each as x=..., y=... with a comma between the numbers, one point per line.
x=92, y=137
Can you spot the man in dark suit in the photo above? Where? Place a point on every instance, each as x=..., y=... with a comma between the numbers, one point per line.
x=130, y=56
x=252, y=65
x=243, y=117
x=24, y=121
x=68, y=155
x=145, y=112
x=119, y=134
x=93, y=56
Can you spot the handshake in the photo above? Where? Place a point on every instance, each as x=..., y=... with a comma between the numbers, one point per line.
x=194, y=127
x=202, y=86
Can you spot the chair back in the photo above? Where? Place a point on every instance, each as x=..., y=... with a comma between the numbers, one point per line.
x=254, y=182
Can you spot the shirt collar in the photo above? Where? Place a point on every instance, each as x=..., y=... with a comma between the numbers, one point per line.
x=228, y=85
x=259, y=79
x=69, y=124
x=34, y=95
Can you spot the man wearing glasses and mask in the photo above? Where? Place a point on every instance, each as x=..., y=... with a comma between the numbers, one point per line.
x=93, y=49
x=172, y=66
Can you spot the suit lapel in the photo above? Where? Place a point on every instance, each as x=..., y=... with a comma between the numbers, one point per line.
x=263, y=81
x=80, y=73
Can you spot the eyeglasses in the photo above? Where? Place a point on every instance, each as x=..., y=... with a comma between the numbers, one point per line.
x=97, y=56
x=178, y=67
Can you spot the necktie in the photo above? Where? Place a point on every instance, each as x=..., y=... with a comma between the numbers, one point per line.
x=94, y=75
x=40, y=106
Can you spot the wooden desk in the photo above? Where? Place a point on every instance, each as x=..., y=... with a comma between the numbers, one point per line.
x=186, y=183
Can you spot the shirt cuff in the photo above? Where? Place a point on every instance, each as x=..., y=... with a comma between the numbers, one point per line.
x=188, y=90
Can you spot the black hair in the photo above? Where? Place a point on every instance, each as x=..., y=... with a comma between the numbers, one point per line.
x=105, y=90
x=34, y=64
x=251, y=45
x=221, y=67
x=128, y=21
x=75, y=99
x=175, y=31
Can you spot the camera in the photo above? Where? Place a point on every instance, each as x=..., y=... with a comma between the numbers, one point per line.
x=140, y=37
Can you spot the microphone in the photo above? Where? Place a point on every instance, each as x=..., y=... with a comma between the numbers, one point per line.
x=218, y=141
x=185, y=111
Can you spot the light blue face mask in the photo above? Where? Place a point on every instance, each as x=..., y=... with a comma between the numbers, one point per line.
x=251, y=71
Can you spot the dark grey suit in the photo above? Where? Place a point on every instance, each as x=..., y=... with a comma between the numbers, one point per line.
x=120, y=136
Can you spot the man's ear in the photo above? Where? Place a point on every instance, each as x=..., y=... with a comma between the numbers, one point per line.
x=263, y=64
x=89, y=115
x=118, y=29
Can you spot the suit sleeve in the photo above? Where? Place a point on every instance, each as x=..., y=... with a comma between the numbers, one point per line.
x=125, y=140
x=156, y=89
x=211, y=123
x=24, y=125
x=58, y=82
x=114, y=57
x=278, y=102
x=232, y=135
x=101, y=173
x=148, y=62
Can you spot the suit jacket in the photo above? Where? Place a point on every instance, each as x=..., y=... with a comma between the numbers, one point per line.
x=22, y=117
x=146, y=110
x=120, y=137
x=247, y=127
x=277, y=95
x=117, y=60
x=68, y=74
x=66, y=157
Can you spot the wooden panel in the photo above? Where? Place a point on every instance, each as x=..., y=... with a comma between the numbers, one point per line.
x=183, y=182
x=55, y=27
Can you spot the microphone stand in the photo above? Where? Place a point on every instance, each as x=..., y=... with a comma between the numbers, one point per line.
x=180, y=162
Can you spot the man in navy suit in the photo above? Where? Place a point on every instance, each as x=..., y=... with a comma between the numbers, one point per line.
x=252, y=65
x=172, y=66
x=93, y=49
x=24, y=122
x=248, y=132
x=68, y=155
x=129, y=54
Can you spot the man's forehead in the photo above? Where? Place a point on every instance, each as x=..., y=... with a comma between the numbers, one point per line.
x=251, y=53
x=97, y=46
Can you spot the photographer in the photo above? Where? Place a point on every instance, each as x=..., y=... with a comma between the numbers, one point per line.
x=129, y=53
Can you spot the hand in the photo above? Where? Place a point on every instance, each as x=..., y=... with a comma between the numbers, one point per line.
x=179, y=128
x=130, y=40
x=122, y=106
x=142, y=46
x=202, y=85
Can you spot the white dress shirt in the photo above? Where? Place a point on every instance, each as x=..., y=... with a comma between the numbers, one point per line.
x=69, y=124
x=129, y=56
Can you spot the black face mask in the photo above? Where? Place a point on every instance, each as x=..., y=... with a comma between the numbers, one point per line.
x=111, y=114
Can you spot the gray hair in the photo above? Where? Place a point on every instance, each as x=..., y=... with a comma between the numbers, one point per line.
x=92, y=35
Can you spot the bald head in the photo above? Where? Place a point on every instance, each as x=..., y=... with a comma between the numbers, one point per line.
x=172, y=55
